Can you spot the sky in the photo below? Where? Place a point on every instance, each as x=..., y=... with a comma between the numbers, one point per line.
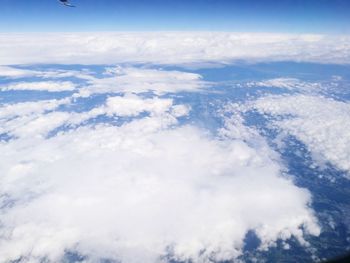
x=284, y=16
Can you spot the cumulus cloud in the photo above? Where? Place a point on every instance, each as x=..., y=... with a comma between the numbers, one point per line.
x=118, y=79
x=37, y=119
x=143, y=190
x=31, y=118
x=8, y=111
x=321, y=123
x=133, y=105
x=170, y=48
x=51, y=86
x=138, y=80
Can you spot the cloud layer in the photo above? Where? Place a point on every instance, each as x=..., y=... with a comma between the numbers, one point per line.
x=169, y=48
x=138, y=186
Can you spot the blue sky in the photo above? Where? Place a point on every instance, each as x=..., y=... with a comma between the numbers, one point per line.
x=288, y=16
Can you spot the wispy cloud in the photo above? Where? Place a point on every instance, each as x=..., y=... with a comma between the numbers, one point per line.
x=51, y=86
x=286, y=83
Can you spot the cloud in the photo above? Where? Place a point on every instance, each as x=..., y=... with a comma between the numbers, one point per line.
x=51, y=86
x=133, y=105
x=37, y=119
x=321, y=123
x=29, y=118
x=286, y=83
x=118, y=79
x=138, y=80
x=170, y=48
x=142, y=190
x=11, y=72
x=8, y=111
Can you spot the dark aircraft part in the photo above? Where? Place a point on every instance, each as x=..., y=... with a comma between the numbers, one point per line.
x=66, y=3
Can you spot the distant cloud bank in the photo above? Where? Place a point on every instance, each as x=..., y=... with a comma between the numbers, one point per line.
x=170, y=48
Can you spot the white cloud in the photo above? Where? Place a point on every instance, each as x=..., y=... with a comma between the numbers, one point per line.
x=51, y=86
x=321, y=123
x=180, y=110
x=132, y=105
x=140, y=80
x=134, y=192
x=11, y=72
x=17, y=73
x=170, y=48
x=114, y=80
x=8, y=111
x=37, y=119
x=286, y=83
x=32, y=119
x=35, y=125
